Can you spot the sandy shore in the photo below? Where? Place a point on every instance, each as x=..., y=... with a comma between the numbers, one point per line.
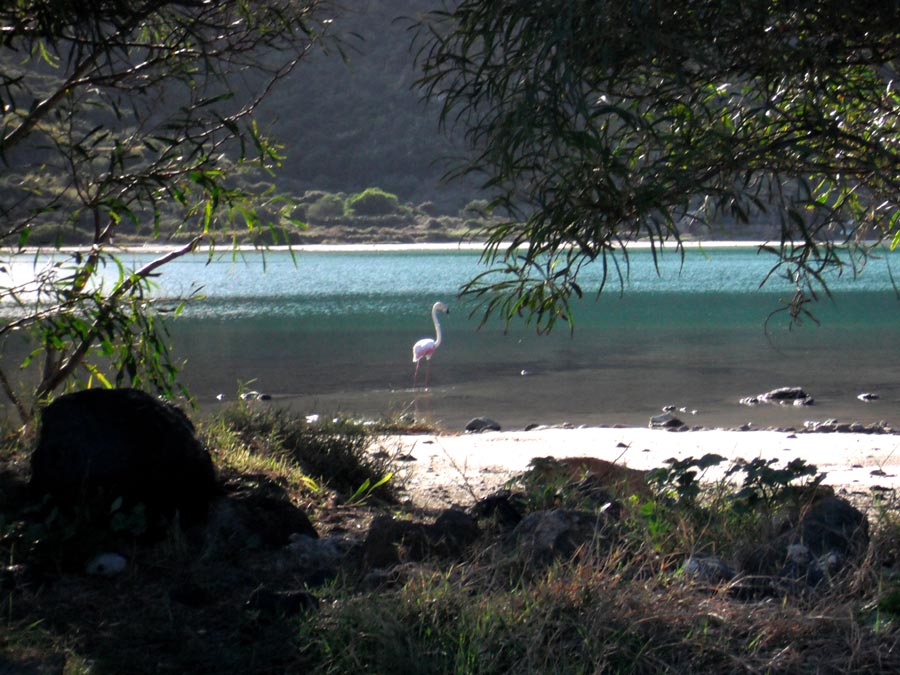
x=445, y=469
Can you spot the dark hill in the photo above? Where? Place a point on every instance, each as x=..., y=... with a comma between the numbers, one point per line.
x=351, y=125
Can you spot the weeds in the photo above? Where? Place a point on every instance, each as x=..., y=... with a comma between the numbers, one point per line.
x=332, y=452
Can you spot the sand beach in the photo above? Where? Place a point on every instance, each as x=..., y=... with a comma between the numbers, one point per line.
x=446, y=469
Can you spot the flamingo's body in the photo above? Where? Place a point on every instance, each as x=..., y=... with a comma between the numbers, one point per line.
x=424, y=348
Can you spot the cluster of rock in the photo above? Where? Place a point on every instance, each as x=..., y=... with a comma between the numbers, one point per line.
x=811, y=547
x=834, y=426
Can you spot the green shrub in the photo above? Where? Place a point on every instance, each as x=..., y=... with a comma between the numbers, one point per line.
x=476, y=209
x=327, y=206
x=373, y=201
x=334, y=452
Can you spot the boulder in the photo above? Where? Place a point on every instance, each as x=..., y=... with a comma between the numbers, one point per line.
x=824, y=539
x=544, y=536
x=481, y=424
x=391, y=541
x=111, y=444
x=781, y=396
x=708, y=569
x=665, y=421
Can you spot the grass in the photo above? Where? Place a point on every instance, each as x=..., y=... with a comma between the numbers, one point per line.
x=618, y=604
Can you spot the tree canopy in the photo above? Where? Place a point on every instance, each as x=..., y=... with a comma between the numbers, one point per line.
x=597, y=123
x=116, y=115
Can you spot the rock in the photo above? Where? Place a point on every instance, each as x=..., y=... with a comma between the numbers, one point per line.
x=834, y=525
x=314, y=554
x=828, y=535
x=123, y=443
x=106, y=565
x=502, y=508
x=708, y=569
x=282, y=603
x=544, y=536
x=481, y=424
x=665, y=421
x=391, y=541
x=781, y=396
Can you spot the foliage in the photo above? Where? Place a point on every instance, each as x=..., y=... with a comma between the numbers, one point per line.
x=120, y=118
x=334, y=452
x=598, y=124
x=372, y=201
x=326, y=206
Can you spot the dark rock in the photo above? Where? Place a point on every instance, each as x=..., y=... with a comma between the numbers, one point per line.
x=452, y=532
x=827, y=536
x=544, y=536
x=781, y=396
x=112, y=443
x=502, y=508
x=834, y=525
x=665, y=421
x=391, y=541
x=282, y=603
x=479, y=424
x=708, y=569
x=272, y=520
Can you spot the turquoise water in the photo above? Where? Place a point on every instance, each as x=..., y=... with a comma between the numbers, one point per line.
x=331, y=332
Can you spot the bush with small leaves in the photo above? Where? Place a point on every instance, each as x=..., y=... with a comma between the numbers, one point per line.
x=373, y=201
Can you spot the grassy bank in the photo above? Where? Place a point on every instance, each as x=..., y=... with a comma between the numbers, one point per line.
x=621, y=601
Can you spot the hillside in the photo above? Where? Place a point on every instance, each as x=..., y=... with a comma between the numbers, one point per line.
x=351, y=125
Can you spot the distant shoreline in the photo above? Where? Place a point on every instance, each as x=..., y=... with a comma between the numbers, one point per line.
x=358, y=248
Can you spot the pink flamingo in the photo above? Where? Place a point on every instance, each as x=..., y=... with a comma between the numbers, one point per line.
x=425, y=347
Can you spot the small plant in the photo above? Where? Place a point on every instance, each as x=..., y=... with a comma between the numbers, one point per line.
x=681, y=479
x=771, y=487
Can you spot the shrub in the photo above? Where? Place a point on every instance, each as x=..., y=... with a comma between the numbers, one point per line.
x=327, y=206
x=476, y=209
x=334, y=452
x=373, y=202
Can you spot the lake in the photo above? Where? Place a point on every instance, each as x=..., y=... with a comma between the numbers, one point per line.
x=331, y=332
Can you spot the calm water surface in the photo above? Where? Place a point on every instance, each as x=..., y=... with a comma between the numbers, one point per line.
x=331, y=332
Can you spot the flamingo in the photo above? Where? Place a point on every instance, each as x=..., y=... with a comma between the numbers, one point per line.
x=425, y=347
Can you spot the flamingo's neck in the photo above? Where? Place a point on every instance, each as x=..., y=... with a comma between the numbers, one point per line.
x=437, y=328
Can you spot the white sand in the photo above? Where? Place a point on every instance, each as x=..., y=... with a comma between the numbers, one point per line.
x=448, y=469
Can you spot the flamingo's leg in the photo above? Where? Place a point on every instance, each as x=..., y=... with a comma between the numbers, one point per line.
x=416, y=374
x=427, y=372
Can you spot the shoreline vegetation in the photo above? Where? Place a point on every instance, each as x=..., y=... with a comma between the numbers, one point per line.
x=481, y=553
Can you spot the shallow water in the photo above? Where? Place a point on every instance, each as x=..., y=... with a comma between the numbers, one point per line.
x=331, y=333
